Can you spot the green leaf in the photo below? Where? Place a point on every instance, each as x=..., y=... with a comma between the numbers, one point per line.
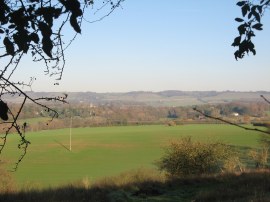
x=250, y=34
x=9, y=46
x=237, y=55
x=12, y=26
x=257, y=16
x=260, y=9
x=249, y=15
x=21, y=39
x=245, y=9
x=238, y=19
x=46, y=31
x=237, y=41
x=242, y=29
x=74, y=23
x=241, y=3
x=34, y=37
x=253, y=51
x=257, y=26
x=47, y=46
x=3, y=111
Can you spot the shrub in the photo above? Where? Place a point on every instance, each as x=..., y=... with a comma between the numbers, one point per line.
x=171, y=123
x=260, y=157
x=186, y=157
x=131, y=178
x=233, y=164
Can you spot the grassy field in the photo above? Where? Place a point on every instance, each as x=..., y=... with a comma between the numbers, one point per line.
x=106, y=151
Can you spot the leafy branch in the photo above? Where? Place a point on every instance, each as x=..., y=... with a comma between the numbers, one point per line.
x=251, y=22
x=35, y=28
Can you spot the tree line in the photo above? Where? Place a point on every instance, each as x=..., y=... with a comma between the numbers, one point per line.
x=83, y=115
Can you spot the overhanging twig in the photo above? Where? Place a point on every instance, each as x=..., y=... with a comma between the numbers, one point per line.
x=265, y=99
x=231, y=123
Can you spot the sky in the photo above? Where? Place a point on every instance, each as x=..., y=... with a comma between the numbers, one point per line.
x=151, y=45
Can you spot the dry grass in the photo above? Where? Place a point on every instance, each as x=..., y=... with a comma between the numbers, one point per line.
x=7, y=183
x=245, y=186
x=131, y=178
x=151, y=185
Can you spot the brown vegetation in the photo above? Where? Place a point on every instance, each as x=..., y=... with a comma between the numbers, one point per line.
x=150, y=185
x=7, y=183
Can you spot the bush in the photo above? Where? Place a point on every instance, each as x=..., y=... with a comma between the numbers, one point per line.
x=186, y=157
x=171, y=123
x=233, y=164
x=260, y=157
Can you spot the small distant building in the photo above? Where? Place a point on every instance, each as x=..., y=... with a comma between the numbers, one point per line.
x=201, y=117
x=91, y=105
x=235, y=114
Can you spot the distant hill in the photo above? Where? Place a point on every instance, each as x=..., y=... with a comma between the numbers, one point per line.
x=163, y=98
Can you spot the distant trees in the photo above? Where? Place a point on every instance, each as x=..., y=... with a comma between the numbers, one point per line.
x=35, y=28
x=172, y=114
x=117, y=114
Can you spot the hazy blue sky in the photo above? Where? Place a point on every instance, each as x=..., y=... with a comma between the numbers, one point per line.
x=160, y=45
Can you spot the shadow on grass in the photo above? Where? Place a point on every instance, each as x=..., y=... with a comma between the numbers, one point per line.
x=248, y=186
x=65, y=147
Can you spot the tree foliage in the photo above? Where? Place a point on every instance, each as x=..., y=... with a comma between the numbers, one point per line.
x=35, y=28
x=250, y=22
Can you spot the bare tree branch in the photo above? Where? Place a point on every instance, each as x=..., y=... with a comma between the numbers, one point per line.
x=265, y=99
x=230, y=123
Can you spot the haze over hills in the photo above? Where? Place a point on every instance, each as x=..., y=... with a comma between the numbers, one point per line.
x=163, y=98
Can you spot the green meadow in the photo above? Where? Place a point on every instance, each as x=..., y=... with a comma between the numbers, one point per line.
x=106, y=151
